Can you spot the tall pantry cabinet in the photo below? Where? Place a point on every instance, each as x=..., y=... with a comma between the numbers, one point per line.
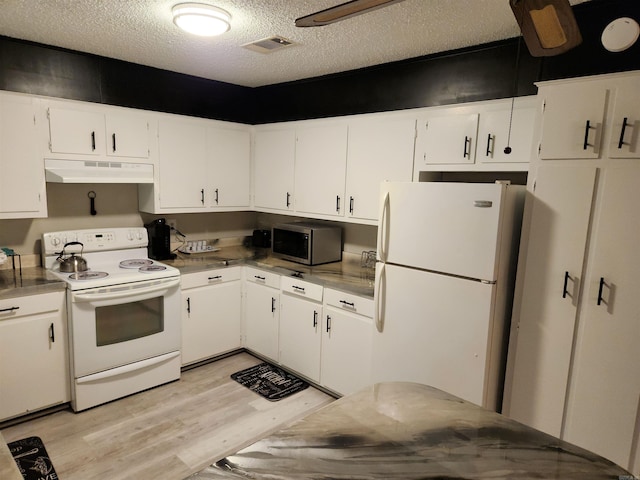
x=574, y=349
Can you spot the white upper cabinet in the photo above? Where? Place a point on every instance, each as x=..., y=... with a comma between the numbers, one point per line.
x=320, y=169
x=446, y=137
x=273, y=166
x=228, y=167
x=475, y=136
x=76, y=131
x=127, y=136
x=87, y=131
x=625, y=120
x=203, y=166
x=573, y=120
x=506, y=134
x=182, y=150
x=380, y=149
x=22, y=183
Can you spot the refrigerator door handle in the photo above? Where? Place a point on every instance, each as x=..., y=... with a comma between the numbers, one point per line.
x=383, y=228
x=380, y=293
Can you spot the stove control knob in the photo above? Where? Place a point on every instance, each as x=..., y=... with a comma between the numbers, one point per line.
x=130, y=235
x=140, y=235
x=55, y=241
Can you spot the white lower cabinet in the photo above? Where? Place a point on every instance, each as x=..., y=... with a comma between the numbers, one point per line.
x=300, y=327
x=211, y=313
x=262, y=312
x=34, y=370
x=347, y=329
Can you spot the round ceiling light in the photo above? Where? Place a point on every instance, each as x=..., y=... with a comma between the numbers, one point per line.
x=201, y=19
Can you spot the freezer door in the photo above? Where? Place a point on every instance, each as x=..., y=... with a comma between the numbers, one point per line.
x=444, y=227
x=436, y=330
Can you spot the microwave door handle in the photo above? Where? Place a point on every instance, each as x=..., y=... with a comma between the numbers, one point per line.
x=87, y=297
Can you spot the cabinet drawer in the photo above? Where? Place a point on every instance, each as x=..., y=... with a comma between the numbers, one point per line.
x=262, y=277
x=210, y=277
x=300, y=288
x=11, y=308
x=349, y=302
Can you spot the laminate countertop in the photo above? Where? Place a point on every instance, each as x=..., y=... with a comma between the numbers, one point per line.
x=29, y=281
x=346, y=275
x=409, y=431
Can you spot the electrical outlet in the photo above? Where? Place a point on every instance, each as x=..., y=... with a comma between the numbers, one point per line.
x=172, y=223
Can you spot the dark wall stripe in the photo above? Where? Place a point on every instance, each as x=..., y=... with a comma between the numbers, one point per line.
x=477, y=73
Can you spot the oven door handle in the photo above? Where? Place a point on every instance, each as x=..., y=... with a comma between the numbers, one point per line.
x=87, y=297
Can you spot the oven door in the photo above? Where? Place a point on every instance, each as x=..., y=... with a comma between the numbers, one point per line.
x=121, y=324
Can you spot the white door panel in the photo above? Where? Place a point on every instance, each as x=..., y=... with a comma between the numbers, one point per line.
x=435, y=330
x=442, y=227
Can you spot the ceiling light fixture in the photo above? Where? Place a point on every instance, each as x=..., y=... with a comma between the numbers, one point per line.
x=201, y=19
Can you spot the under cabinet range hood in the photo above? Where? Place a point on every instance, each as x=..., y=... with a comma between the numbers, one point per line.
x=79, y=171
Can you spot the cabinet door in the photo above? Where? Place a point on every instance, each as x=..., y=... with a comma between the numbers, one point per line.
x=300, y=336
x=127, y=135
x=573, y=117
x=182, y=152
x=262, y=314
x=210, y=321
x=380, y=150
x=321, y=156
x=22, y=186
x=501, y=128
x=556, y=247
x=274, y=157
x=602, y=409
x=625, y=134
x=446, y=139
x=76, y=131
x=346, y=351
x=229, y=157
x=33, y=365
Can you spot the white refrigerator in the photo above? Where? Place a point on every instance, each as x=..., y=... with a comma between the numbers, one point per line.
x=444, y=285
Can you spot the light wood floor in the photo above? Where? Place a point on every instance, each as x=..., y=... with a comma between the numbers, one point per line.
x=168, y=432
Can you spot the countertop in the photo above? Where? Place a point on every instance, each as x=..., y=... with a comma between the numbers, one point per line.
x=32, y=280
x=410, y=431
x=346, y=275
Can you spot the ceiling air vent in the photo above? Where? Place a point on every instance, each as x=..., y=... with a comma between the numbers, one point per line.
x=268, y=45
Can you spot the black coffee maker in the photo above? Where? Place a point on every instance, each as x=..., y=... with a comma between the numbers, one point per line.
x=159, y=245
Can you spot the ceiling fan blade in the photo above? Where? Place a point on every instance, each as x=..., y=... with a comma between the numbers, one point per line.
x=548, y=26
x=342, y=12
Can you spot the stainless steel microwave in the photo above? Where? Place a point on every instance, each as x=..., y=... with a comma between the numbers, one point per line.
x=307, y=243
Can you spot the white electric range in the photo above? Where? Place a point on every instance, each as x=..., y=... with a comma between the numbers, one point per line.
x=123, y=313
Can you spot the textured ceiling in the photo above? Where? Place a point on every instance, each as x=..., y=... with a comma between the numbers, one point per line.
x=142, y=31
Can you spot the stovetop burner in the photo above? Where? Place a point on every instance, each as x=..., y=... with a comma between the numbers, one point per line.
x=152, y=268
x=136, y=263
x=87, y=275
